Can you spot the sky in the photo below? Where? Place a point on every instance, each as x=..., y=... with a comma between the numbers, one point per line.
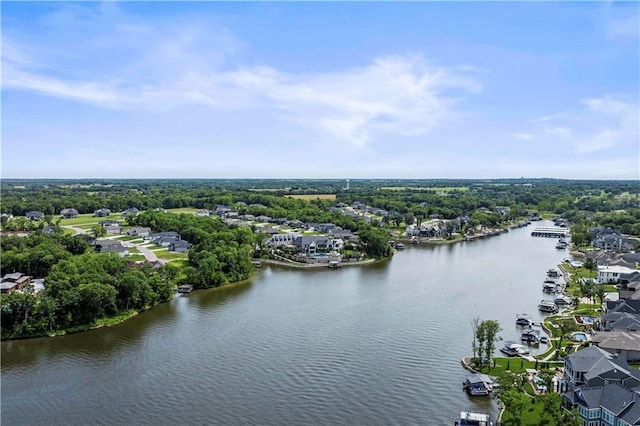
x=320, y=90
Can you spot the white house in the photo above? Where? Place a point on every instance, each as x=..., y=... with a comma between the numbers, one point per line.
x=611, y=274
x=279, y=240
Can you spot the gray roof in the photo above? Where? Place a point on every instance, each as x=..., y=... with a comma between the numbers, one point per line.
x=585, y=359
x=478, y=378
x=590, y=396
x=618, y=340
x=616, y=398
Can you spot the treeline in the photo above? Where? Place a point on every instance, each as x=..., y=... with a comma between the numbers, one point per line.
x=463, y=196
x=36, y=255
x=81, y=290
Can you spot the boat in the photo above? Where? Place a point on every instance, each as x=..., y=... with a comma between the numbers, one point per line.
x=548, y=306
x=334, y=264
x=185, y=288
x=477, y=384
x=561, y=246
x=544, y=339
x=468, y=418
x=399, y=246
x=553, y=273
x=530, y=336
x=523, y=319
x=549, y=288
x=563, y=300
x=512, y=348
x=257, y=263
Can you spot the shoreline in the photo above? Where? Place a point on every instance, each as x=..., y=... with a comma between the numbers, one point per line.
x=316, y=265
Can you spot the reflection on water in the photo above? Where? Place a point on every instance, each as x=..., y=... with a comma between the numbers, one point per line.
x=360, y=345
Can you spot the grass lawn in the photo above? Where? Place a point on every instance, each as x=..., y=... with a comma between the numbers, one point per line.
x=83, y=219
x=530, y=416
x=313, y=196
x=135, y=257
x=186, y=210
x=517, y=365
x=167, y=255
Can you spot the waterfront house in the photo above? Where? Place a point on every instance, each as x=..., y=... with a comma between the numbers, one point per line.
x=602, y=386
x=625, y=344
x=610, y=274
x=279, y=240
x=610, y=239
x=312, y=244
x=69, y=213
x=102, y=213
x=14, y=282
x=34, y=215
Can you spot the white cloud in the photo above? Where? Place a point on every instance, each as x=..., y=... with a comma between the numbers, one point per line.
x=189, y=64
x=601, y=123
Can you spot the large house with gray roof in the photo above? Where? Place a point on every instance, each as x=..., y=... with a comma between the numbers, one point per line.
x=603, y=387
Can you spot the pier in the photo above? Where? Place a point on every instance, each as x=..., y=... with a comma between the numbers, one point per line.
x=550, y=232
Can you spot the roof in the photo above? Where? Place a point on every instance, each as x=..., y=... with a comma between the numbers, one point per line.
x=621, y=340
x=585, y=359
x=478, y=378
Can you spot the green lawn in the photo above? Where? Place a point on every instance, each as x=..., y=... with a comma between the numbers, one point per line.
x=167, y=255
x=530, y=416
x=83, y=219
x=186, y=210
x=135, y=257
x=517, y=365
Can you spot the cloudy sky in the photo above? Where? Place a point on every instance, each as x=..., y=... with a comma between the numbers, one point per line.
x=321, y=90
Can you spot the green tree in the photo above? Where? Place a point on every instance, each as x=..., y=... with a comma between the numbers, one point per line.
x=98, y=231
x=590, y=265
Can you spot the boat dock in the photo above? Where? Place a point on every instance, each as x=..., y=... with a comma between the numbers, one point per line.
x=549, y=232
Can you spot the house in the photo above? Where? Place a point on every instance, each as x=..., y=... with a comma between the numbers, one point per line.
x=180, y=246
x=131, y=211
x=102, y=213
x=625, y=344
x=111, y=246
x=68, y=213
x=610, y=239
x=50, y=230
x=13, y=282
x=279, y=240
x=108, y=223
x=138, y=231
x=312, y=244
x=268, y=230
x=34, y=215
x=595, y=381
x=203, y=213
x=610, y=274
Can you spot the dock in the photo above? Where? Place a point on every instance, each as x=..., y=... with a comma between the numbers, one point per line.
x=549, y=232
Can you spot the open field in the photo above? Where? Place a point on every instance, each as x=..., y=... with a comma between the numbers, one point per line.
x=443, y=190
x=313, y=196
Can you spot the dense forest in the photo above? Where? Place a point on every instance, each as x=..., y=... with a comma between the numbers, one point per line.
x=80, y=288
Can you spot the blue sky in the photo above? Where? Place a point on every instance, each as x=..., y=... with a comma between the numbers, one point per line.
x=321, y=90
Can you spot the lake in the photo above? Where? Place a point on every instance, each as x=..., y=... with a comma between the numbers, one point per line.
x=376, y=344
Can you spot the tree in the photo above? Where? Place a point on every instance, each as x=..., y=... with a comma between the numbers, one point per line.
x=600, y=292
x=590, y=265
x=98, y=231
x=475, y=324
x=490, y=328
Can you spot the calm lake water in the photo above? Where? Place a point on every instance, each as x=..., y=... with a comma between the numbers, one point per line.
x=379, y=344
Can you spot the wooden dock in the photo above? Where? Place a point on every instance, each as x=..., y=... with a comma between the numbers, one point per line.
x=550, y=232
